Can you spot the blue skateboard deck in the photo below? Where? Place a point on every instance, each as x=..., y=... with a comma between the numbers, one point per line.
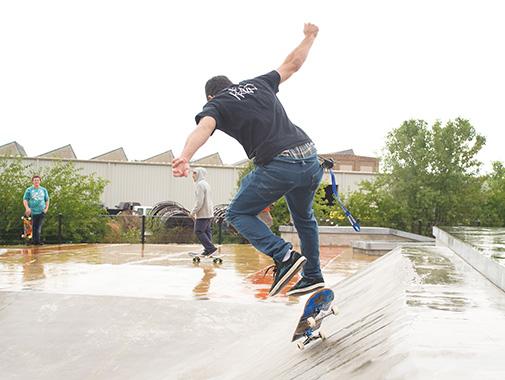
x=317, y=307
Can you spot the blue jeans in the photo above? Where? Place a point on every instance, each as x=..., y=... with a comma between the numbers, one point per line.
x=295, y=179
x=37, y=221
x=203, y=231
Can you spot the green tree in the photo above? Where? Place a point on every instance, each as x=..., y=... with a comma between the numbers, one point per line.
x=324, y=213
x=429, y=178
x=373, y=205
x=13, y=182
x=493, y=209
x=75, y=196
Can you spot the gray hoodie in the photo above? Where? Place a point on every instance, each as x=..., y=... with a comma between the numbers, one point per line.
x=203, y=207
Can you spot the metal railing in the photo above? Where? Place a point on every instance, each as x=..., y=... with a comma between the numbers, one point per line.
x=120, y=228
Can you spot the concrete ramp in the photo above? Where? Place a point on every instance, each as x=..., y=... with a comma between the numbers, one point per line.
x=416, y=313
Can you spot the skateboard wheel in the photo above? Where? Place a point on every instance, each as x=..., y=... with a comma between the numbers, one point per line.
x=217, y=261
x=321, y=335
x=196, y=260
x=334, y=310
x=311, y=321
x=300, y=345
x=22, y=236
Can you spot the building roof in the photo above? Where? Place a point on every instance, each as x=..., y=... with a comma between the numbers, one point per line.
x=339, y=156
x=114, y=155
x=165, y=157
x=243, y=162
x=211, y=159
x=66, y=152
x=12, y=149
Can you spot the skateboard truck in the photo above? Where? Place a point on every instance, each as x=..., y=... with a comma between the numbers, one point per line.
x=318, y=307
x=197, y=257
x=312, y=322
x=215, y=260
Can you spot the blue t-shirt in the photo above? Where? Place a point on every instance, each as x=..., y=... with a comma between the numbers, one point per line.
x=36, y=198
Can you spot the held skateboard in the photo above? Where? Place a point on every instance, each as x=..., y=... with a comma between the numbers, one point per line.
x=318, y=307
x=27, y=227
x=198, y=256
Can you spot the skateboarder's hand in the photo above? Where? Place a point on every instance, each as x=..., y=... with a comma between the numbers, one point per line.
x=310, y=30
x=180, y=167
x=28, y=212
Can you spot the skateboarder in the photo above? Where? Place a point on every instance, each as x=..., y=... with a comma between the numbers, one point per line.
x=36, y=202
x=285, y=161
x=203, y=211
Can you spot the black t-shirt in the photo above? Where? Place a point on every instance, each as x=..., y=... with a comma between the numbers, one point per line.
x=251, y=113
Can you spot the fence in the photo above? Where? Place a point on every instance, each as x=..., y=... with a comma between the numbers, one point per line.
x=121, y=228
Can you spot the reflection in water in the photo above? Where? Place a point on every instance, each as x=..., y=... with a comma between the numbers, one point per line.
x=432, y=269
x=167, y=270
x=437, y=274
x=489, y=241
x=201, y=290
x=337, y=263
x=33, y=269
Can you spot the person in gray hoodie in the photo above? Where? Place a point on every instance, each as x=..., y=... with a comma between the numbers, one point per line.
x=203, y=211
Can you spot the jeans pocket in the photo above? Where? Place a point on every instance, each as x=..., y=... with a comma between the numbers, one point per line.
x=271, y=185
x=316, y=179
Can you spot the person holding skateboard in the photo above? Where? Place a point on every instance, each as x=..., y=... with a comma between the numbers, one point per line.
x=203, y=211
x=285, y=159
x=36, y=202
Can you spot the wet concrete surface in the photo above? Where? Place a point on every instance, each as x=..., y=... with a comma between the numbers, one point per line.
x=156, y=271
x=133, y=311
x=489, y=241
x=416, y=313
x=127, y=311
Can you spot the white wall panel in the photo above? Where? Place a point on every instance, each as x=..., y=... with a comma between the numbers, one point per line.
x=150, y=183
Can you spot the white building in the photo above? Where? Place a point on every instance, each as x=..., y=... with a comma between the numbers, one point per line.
x=150, y=182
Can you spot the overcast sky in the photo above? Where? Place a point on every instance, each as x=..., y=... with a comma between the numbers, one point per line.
x=106, y=74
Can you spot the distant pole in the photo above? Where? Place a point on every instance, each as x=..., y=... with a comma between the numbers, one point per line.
x=60, y=218
x=143, y=233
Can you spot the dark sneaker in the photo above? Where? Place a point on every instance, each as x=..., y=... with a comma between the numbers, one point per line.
x=209, y=253
x=284, y=271
x=306, y=285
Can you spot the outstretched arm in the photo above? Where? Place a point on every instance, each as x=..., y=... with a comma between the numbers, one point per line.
x=297, y=57
x=199, y=136
x=28, y=211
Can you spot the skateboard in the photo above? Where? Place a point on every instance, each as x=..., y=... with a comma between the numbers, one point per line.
x=198, y=256
x=27, y=227
x=318, y=307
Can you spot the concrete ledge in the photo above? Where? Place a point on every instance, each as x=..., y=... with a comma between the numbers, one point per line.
x=334, y=235
x=493, y=271
x=381, y=247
